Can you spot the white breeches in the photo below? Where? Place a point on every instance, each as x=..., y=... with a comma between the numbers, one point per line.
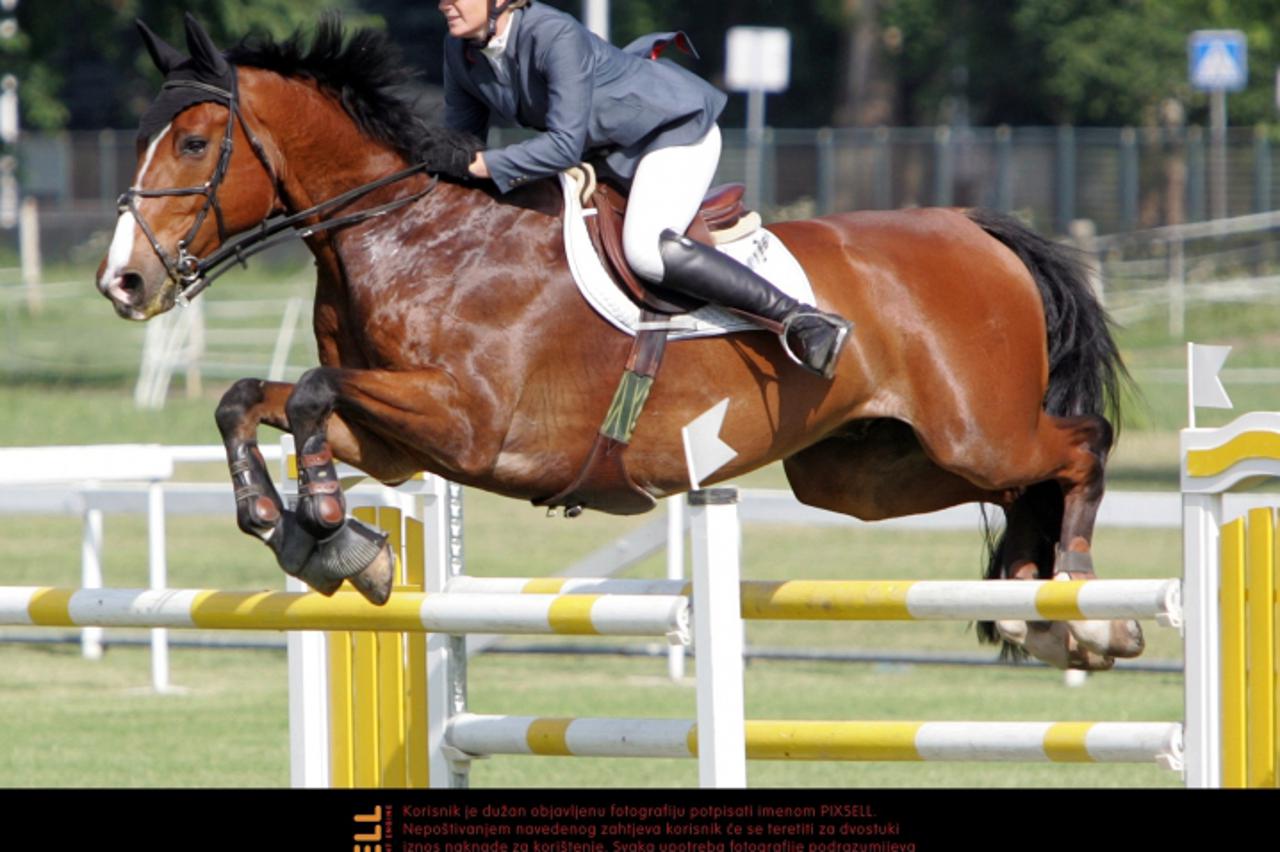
x=667, y=191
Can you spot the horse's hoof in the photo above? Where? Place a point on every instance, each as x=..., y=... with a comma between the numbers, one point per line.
x=324, y=585
x=375, y=581
x=1117, y=638
x=1013, y=632
x=1052, y=642
x=355, y=552
x=295, y=552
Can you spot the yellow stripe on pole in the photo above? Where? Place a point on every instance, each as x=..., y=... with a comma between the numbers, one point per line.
x=1248, y=445
x=391, y=723
x=365, y=735
x=293, y=611
x=1275, y=653
x=51, y=607
x=817, y=600
x=390, y=521
x=341, y=748
x=417, y=768
x=549, y=737
x=544, y=586
x=1064, y=742
x=870, y=741
x=572, y=614
x=1231, y=609
x=1260, y=686
x=1060, y=601
x=415, y=549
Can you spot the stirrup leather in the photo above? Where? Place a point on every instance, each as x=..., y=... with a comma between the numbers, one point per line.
x=841, y=327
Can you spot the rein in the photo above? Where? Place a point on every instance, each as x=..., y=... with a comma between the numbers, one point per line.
x=193, y=274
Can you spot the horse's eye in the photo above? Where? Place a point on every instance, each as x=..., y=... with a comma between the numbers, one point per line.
x=195, y=145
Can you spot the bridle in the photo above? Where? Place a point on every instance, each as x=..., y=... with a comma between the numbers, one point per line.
x=192, y=274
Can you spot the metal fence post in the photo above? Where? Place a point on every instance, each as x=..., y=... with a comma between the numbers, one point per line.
x=825, y=148
x=768, y=170
x=1261, y=170
x=1195, y=174
x=108, y=189
x=884, y=169
x=943, y=183
x=1004, y=168
x=1066, y=168
x=1129, y=178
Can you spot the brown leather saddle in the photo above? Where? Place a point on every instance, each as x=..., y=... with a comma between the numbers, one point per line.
x=721, y=212
x=603, y=482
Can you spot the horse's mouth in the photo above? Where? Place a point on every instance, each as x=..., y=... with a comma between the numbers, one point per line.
x=128, y=296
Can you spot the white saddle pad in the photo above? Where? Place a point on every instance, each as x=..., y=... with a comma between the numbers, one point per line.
x=760, y=250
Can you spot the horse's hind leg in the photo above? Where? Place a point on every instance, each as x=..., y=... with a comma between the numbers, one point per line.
x=1049, y=532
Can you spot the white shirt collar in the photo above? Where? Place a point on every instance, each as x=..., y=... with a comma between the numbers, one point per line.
x=499, y=43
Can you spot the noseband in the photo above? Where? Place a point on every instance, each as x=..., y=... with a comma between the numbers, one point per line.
x=192, y=274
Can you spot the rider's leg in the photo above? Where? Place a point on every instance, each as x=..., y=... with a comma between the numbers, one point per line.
x=666, y=192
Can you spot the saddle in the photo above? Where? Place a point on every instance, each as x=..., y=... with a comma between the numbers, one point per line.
x=722, y=218
x=603, y=482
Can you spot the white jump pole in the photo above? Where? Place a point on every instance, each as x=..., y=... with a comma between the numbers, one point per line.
x=159, y=579
x=91, y=577
x=718, y=637
x=675, y=571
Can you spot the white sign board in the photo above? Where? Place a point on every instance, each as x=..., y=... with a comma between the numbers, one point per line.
x=1218, y=60
x=759, y=59
x=9, y=110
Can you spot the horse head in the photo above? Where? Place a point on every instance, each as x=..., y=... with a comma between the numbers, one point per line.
x=201, y=177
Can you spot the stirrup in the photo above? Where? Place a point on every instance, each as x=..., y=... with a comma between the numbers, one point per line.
x=842, y=327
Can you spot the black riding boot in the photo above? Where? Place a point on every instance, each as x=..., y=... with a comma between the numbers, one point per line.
x=813, y=338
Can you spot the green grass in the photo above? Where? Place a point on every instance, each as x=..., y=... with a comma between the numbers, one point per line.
x=72, y=723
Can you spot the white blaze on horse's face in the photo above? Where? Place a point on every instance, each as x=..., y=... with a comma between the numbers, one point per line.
x=113, y=280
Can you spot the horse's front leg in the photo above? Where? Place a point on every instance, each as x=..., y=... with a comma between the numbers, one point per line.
x=320, y=554
x=259, y=510
x=380, y=421
x=345, y=548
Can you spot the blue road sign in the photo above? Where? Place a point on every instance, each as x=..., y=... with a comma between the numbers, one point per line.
x=1219, y=60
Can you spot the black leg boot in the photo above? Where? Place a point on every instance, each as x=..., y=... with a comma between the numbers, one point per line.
x=812, y=338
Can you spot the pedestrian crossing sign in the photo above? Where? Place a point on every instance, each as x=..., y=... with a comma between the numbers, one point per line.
x=1219, y=60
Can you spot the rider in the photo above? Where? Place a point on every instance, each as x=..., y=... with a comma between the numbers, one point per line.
x=655, y=124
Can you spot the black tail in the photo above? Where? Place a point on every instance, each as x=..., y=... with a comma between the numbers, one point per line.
x=1086, y=374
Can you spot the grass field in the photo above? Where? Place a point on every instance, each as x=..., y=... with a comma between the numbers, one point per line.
x=73, y=723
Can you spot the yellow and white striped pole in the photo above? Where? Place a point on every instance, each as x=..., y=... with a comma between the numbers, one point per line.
x=1058, y=742
x=890, y=600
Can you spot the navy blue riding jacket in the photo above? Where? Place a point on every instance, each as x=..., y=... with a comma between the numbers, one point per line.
x=587, y=97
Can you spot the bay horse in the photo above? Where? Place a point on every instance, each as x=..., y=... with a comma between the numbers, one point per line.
x=452, y=340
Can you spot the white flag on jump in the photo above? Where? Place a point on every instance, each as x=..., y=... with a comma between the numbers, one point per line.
x=1203, y=365
x=704, y=452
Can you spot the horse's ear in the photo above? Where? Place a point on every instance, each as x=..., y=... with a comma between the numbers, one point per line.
x=163, y=54
x=202, y=48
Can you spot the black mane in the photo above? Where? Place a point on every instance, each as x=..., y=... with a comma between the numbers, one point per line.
x=364, y=71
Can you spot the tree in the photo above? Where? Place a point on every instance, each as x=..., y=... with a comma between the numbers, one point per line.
x=81, y=65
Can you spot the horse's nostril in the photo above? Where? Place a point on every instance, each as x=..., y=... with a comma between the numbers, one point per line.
x=132, y=285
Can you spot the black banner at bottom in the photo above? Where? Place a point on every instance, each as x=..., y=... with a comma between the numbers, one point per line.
x=758, y=820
